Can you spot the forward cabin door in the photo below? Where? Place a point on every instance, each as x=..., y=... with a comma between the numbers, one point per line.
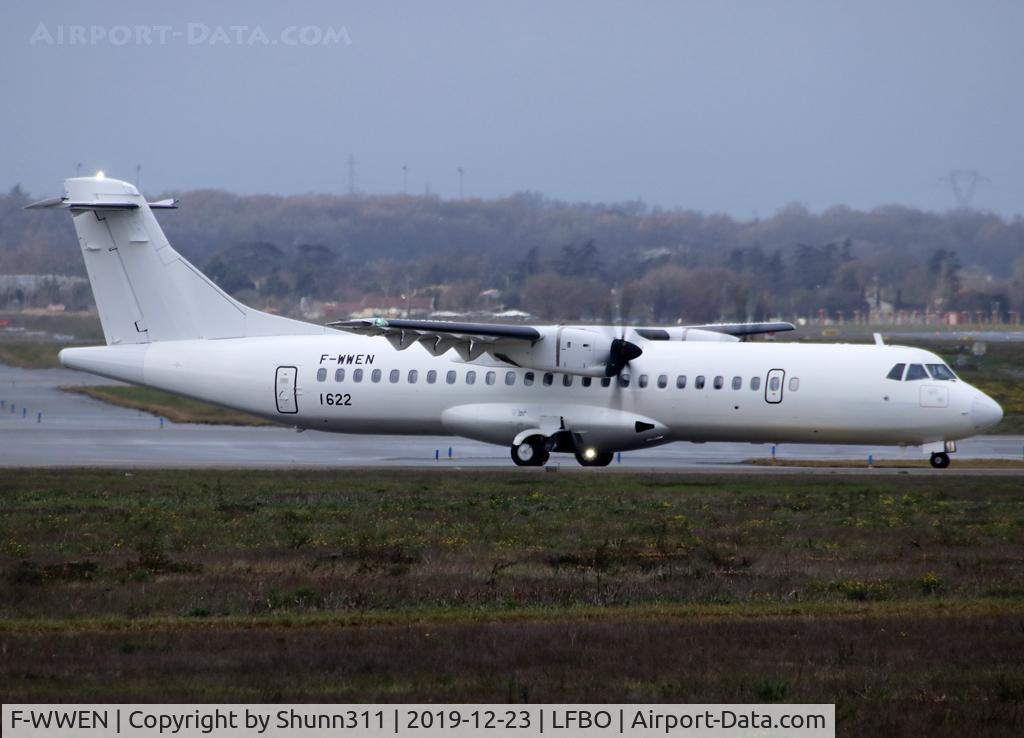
x=773, y=386
x=284, y=387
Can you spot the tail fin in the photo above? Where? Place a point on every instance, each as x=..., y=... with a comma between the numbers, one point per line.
x=146, y=291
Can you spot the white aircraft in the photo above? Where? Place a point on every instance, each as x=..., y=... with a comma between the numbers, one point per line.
x=585, y=390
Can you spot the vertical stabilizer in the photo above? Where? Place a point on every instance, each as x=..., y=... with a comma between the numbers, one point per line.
x=146, y=291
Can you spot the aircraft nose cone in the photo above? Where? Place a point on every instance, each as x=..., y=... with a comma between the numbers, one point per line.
x=985, y=412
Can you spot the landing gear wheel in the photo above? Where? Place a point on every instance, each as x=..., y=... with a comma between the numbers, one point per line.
x=530, y=452
x=940, y=460
x=598, y=459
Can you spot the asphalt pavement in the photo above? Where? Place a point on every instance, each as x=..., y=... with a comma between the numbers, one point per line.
x=41, y=426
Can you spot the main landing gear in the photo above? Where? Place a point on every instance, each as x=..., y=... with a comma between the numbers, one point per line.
x=536, y=450
x=531, y=452
x=939, y=460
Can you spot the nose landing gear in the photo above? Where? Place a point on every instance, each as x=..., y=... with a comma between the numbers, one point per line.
x=593, y=457
x=939, y=460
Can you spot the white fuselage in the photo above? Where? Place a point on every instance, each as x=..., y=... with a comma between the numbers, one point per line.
x=826, y=393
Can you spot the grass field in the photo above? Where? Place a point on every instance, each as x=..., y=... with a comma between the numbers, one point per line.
x=30, y=354
x=173, y=407
x=901, y=599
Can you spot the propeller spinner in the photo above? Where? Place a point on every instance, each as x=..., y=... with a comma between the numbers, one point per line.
x=620, y=353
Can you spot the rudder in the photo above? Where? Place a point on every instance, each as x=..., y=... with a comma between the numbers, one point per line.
x=145, y=291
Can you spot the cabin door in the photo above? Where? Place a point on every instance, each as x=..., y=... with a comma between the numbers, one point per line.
x=284, y=387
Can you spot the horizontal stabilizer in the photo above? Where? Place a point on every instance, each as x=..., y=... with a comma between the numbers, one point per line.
x=64, y=202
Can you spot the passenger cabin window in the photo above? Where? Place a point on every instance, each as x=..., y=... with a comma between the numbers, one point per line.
x=549, y=379
x=662, y=381
x=528, y=378
x=510, y=378
x=698, y=383
x=586, y=381
x=755, y=383
x=794, y=384
x=737, y=382
x=896, y=372
x=413, y=376
x=431, y=376
x=357, y=375
x=941, y=372
x=489, y=377
x=471, y=377
x=606, y=381
x=915, y=371
x=719, y=382
x=339, y=375
x=774, y=383
x=681, y=381
x=624, y=379
x=641, y=381
x=394, y=375
x=450, y=377
x=375, y=375
x=321, y=374
x=567, y=380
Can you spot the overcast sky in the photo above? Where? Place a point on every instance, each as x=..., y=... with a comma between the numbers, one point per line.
x=740, y=107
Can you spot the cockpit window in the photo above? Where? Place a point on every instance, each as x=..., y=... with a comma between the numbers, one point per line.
x=940, y=371
x=896, y=372
x=915, y=371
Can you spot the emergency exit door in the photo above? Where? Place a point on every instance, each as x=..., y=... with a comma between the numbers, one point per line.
x=773, y=387
x=285, y=390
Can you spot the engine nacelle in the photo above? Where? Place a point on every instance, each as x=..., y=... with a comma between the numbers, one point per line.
x=568, y=350
x=699, y=334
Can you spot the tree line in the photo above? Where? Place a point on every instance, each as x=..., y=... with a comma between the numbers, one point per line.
x=568, y=261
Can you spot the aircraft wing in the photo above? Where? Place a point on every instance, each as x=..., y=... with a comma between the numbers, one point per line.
x=738, y=330
x=746, y=329
x=595, y=351
x=469, y=340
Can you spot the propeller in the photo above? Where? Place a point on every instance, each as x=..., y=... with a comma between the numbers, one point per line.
x=621, y=351
x=620, y=354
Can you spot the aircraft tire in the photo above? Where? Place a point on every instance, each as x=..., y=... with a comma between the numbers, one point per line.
x=530, y=452
x=939, y=461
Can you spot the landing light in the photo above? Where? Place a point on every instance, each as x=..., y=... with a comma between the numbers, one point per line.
x=99, y=174
x=590, y=454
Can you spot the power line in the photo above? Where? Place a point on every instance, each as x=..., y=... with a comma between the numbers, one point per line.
x=351, y=174
x=964, y=182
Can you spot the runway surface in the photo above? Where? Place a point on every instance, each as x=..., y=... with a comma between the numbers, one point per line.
x=74, y=430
